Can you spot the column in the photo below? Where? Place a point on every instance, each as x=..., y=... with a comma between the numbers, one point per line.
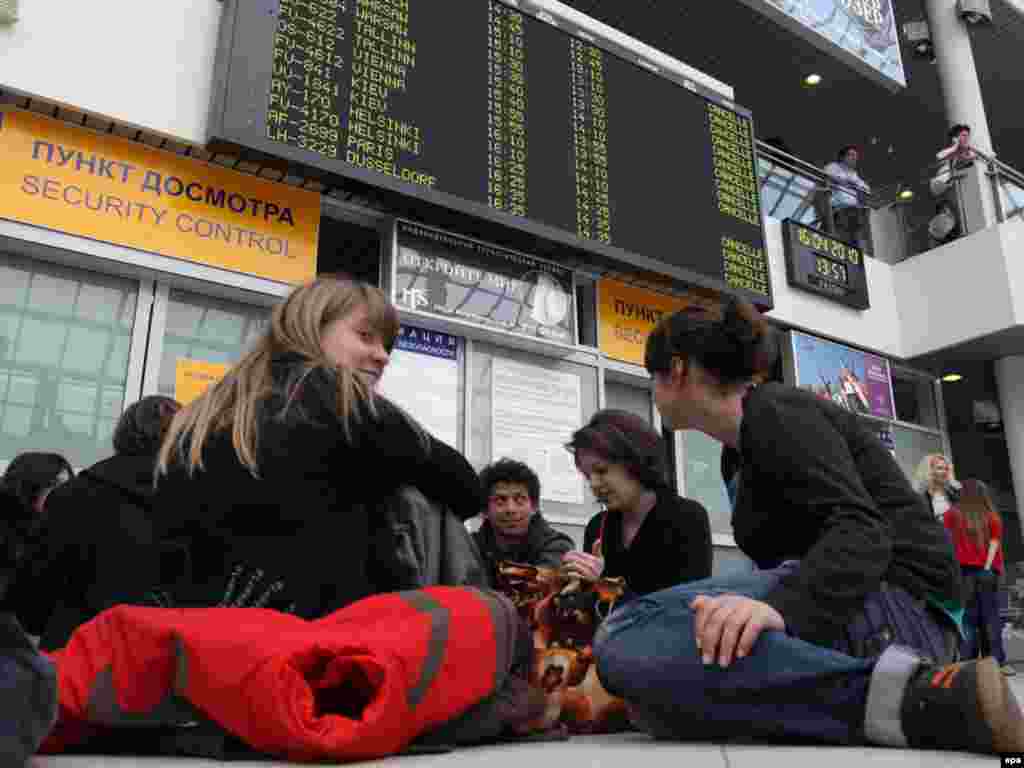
x=961, y=92
x=1010, y=382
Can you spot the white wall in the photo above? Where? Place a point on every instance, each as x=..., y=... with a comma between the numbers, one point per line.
x=148, y=64
x=877, y=328
x=962, y=291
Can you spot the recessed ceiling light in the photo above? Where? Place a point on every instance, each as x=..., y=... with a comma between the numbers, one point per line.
x=812, y=80
x=951, y=378
x=906, y=194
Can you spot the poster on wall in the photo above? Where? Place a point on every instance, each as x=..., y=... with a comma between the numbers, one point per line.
x=854, y=380
x=445, y=275
x=534, y=412
x=423, y=378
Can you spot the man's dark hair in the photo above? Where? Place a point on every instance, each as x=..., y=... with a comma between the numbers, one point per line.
x=511, y=471
x=17, y=523
x=142, y=427
x=620, y=437
x=845, y=151
x=955, y=131
x=29, y=474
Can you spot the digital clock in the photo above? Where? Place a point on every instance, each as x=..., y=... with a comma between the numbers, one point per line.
x=825, y=265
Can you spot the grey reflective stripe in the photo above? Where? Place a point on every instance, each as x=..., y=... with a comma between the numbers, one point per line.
x=504, y=632
x=103, y=708
x=882, y=720
x=440, y=620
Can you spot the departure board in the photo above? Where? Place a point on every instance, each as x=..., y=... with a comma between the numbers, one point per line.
x=492, y=112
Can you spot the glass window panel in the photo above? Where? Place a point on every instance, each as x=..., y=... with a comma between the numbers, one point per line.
x=704, y=478
x=87, y=349
x=912, y=445
x=208, y=329
x=41, y=342
x=100, y=304
x=52, y=294
x=13, y=285
x=635, y=399
x=914, y=398
x=16, y=423
x=68, y=333
x=77, y=396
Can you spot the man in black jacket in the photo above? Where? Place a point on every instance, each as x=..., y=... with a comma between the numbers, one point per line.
x=513, y=529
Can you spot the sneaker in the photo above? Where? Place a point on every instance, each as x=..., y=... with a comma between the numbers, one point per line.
x=1008, y=670
x=965, y=706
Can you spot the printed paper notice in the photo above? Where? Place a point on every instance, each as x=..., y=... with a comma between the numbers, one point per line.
x=193, y=377
x=534, y=412
x=423, y=378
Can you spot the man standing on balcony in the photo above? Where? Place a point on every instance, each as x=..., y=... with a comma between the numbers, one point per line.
x=849, y=192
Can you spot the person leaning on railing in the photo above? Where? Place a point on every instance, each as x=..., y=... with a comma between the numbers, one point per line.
x=957, y=155
x=849, y=195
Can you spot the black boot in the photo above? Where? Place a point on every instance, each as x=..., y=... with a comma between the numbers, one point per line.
x=966, y=706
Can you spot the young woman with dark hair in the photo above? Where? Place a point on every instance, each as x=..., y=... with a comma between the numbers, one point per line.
x=977, y=532
x=846, y=632
x=646, y=533
x=96, y=548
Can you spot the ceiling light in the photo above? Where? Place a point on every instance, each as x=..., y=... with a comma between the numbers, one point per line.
x=906, y=194
x=952, y=378
x=812, y=80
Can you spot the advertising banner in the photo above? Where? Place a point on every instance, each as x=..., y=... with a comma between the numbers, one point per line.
x=450, y=276
x=862, y=33
x=854, y=380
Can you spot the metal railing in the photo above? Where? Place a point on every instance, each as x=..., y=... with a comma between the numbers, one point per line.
x=1007, y=188
x=792, y=188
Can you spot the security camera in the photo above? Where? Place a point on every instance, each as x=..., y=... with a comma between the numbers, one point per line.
x=919, y=35
x=974, y=11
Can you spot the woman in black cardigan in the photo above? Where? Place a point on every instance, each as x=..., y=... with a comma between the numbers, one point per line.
x=276, y=474
x=843, y=633
x=646, y=533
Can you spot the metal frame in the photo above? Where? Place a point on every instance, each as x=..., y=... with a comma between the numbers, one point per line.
x=155, y=349
x=138, y=348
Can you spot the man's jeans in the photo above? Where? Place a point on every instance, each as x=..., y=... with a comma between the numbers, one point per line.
x=785, y=688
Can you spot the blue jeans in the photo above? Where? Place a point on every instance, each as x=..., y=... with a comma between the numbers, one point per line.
x=786, y=688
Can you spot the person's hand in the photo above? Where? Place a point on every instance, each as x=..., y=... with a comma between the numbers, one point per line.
x=728, y=626
x=582, y=565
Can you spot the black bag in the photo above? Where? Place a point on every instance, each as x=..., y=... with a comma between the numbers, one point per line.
x=28, y=694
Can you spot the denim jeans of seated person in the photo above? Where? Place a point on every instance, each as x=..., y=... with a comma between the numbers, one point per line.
x=785, y=689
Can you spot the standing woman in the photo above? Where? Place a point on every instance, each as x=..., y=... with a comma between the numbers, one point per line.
x=977, y=532
x=275, y=473
x=646, y=534
x=934, y=479
x=832, y=639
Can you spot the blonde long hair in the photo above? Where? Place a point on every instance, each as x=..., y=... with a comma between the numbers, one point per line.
x=296, y=328
x=923, y=473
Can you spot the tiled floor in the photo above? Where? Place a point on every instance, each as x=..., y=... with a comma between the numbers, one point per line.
x=607, y=752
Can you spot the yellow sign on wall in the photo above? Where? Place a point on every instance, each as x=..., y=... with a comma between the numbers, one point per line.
x=193, y=377
x=110, y=189
x=626, y=315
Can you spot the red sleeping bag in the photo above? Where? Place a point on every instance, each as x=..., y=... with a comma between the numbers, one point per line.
x=361, y=683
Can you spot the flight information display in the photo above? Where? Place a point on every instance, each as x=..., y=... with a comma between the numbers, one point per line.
x=489, y=111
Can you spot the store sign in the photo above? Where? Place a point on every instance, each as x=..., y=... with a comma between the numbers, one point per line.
x=117, y=191
x=862, y=33
x=193, y=377
x=445, y=275
x=626, y=315
x=853, y=380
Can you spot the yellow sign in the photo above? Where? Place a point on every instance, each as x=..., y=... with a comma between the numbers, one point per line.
x=193, y=377
x=626, y=315
x=107, y=188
